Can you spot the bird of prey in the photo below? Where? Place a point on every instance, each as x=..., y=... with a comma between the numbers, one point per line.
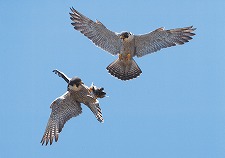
x=127, y=45
x=69, y=105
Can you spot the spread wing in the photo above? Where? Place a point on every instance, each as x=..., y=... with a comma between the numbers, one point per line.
x=63, y=108
x=160, y=38
x=96, y=32
x=61, y=74
x=95, y=108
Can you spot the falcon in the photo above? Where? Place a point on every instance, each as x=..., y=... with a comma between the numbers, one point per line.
x=69, y=105
x=127, y=45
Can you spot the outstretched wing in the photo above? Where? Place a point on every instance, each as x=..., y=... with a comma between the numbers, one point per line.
x=95, y=108
x=160, y=38
x=96, y=32
x=63, y=108
x=61, y=74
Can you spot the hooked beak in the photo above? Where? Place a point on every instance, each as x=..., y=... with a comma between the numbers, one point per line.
x=80, y=83
x=122, y=37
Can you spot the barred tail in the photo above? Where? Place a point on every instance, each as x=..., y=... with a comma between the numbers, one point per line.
x=124, y=69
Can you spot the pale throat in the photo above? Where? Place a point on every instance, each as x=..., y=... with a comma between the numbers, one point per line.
x=74, y=87
x=130, y=38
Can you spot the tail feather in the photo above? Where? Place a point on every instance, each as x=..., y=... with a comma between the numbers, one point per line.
x=124, y=70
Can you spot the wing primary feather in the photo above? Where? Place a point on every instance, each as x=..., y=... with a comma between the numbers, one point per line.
x=61, y=74
x=160, y=38
x=96, y=32
x=63, y=108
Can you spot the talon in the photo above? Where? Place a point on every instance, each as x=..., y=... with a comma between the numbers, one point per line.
x=120, y=57
x=128, y=56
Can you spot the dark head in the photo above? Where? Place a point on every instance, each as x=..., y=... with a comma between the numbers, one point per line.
x=74, y=83
x=125, y=35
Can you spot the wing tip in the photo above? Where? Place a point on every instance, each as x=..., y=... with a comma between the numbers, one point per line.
x=45, y=139
x=72, y=9
x=101, y=120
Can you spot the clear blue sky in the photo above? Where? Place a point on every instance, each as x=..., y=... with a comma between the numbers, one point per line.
x=175, y=109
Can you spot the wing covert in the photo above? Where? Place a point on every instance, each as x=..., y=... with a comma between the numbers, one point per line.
x=96, y=32
x=160, y=38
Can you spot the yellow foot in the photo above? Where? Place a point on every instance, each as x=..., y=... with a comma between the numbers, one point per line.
x=128, y=57
x=120, y=57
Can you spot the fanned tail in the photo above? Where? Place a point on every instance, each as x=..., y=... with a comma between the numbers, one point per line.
x=124, y=69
